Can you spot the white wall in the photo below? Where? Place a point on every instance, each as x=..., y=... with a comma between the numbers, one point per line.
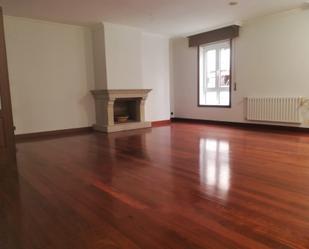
x=123, y=49
x=53, y=67
x=51, y=74
x=156, y=76
x=271, y=59
x=99, y=57
x=134, y=60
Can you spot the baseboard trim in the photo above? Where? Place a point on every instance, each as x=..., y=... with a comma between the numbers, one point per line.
x=251, y=126
x=46, y=134
x=161, y=123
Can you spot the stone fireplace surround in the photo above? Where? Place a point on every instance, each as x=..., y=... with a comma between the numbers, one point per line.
x=126, y=102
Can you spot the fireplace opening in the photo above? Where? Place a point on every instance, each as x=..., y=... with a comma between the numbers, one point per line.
x=126, y=110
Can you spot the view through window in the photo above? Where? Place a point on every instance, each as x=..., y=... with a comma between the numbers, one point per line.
x=215, y=74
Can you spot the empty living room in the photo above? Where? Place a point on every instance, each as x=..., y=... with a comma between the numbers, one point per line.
x=138, y=124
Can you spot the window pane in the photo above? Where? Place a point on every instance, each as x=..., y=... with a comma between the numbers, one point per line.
x=211, y=61
x=211, y=81
x=215, y=74
x=202, y=100
x=225, y=59
x=225, y=67
x=224, y=98
x=202, y=81
x=211, y=68
x=211, y=98
x=225, y=79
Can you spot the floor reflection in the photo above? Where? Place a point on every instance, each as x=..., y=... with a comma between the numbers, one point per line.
x=215, y=167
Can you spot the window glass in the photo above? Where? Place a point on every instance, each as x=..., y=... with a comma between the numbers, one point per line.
x=215, y=74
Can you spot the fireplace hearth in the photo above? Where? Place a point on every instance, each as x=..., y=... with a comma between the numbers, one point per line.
x=120, y=110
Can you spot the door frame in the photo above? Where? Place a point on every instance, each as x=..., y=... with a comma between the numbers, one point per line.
x=6, y=105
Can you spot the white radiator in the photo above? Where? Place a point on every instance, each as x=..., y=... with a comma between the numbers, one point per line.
x=274, y=109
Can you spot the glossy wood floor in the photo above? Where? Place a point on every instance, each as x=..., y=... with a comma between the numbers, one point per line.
x=182, y=186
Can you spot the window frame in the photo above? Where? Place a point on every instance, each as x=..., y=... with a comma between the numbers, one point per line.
x=231, y=76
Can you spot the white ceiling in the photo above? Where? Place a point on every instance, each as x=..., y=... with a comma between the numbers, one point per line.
x=169, y=17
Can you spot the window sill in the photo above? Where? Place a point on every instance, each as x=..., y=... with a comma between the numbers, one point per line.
x=215, y=106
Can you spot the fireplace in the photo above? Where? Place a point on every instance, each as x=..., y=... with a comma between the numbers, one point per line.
x=119, y=110
x=126, y=110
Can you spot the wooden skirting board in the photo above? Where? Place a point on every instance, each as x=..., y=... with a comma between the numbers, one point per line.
x=44, y=134
x=73, y=131
x=160, y=123
x=76, y=131
x=252, y=126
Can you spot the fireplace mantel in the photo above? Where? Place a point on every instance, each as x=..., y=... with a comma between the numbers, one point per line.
x=131, y=102
x=121, y=93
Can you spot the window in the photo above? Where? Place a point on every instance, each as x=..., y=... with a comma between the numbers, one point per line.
x=215, y=74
